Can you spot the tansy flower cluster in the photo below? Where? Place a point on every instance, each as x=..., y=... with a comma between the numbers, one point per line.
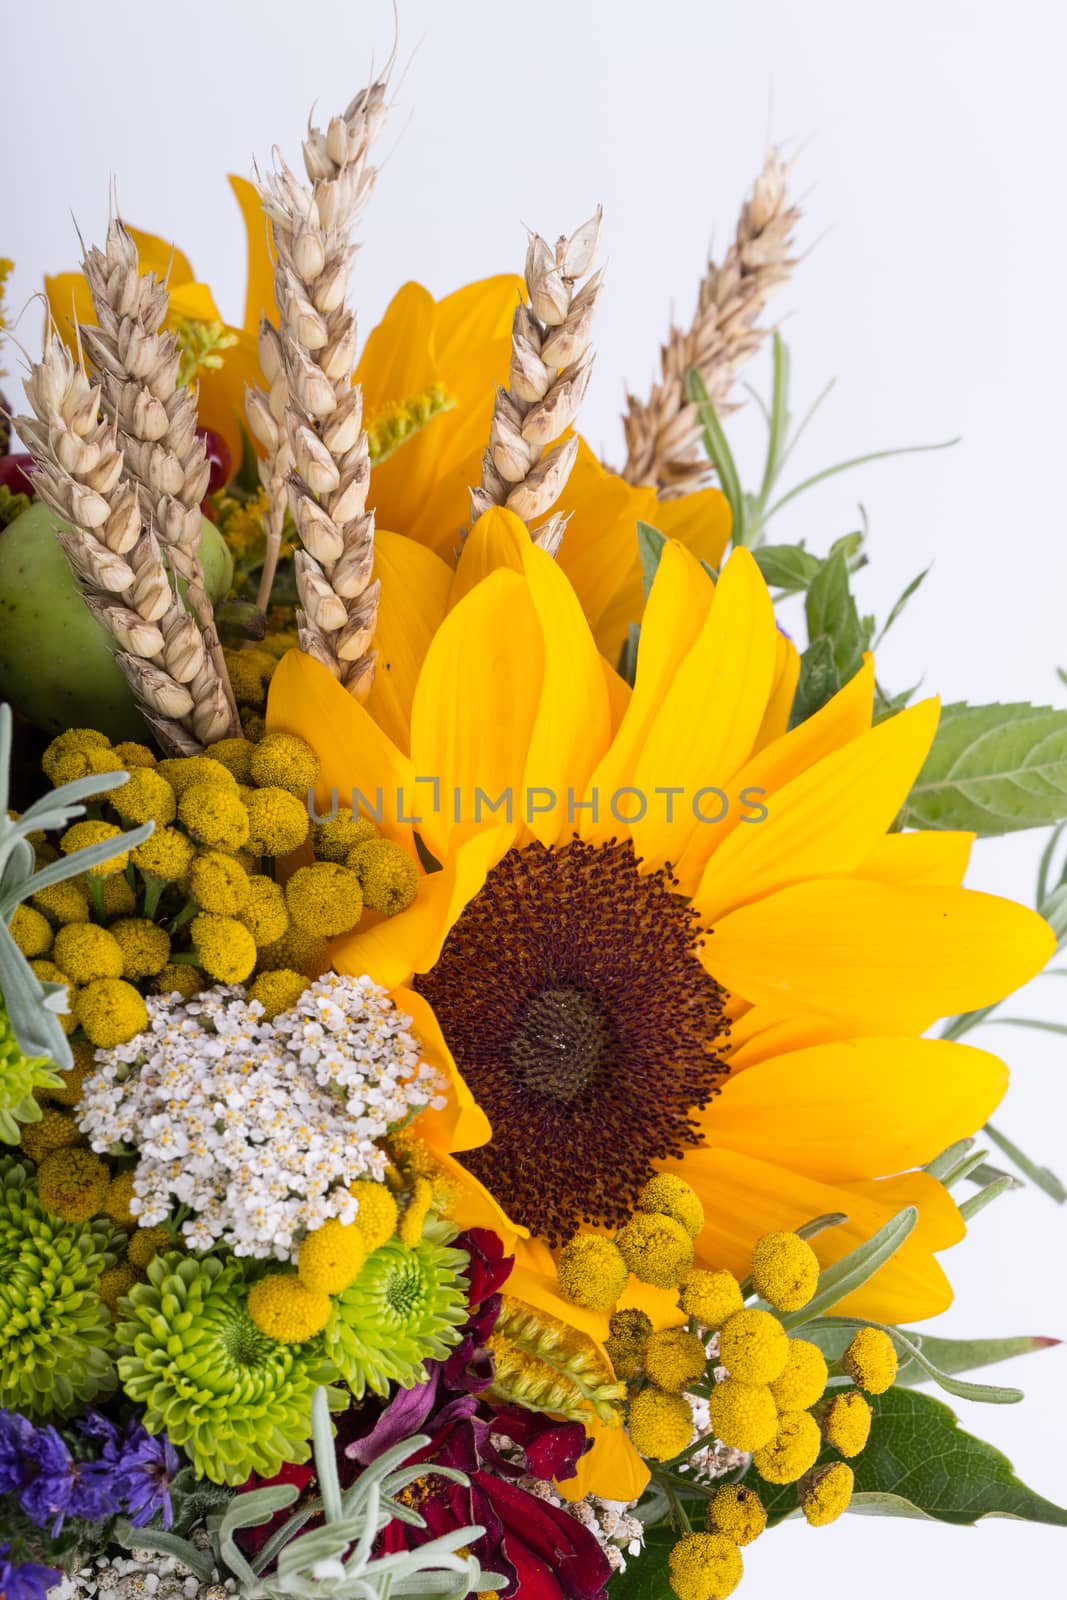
x=257, y=1127
x=764, y=1394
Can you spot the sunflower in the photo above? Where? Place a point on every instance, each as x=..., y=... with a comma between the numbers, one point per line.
x=635, y=974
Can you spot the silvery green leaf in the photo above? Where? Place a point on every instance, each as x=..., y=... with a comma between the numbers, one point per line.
x=26, y=1001
x=167, y=1544
x=1043, y=1177
x=854, y=1270
x=948, y=1160
x=91, y=855
x=650, y=544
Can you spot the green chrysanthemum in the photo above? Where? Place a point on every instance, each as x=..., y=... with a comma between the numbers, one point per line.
x=406, y=1307
x=235, y=1400
x=20, y=1075
x=56, y=1337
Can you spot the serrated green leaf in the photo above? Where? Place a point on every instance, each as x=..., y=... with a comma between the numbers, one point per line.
x=650, y=544
x=993, y=769
x=647, y=1576
x=920, y=1462
x=818, y=682
x=788, y=567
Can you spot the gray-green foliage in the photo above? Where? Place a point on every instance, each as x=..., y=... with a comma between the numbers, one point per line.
x=32, y=1006
x=338, y=1556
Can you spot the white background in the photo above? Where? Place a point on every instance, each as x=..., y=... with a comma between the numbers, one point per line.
x=929, y=141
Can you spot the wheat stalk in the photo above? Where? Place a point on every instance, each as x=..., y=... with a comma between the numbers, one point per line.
x=551, y=363
x=663, y=436
x=115, y=558
x=311, y=420
x=155, y=416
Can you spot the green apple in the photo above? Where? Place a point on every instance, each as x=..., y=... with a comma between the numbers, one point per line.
x=57, y=666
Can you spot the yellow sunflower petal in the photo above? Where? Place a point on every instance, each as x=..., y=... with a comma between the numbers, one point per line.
x=745, y=1197
x=496, y=540
x=461, y=1124
x=878, y=955
x=470, y=1203
x=857, y=1108
x=678, y=606
x=396, y=363
x=354, y=753
x=391, y=950
x=414, y=595
x=69, y=302
x=619, y=695
x=700, y=521
x=163, y=258
x=572, y=726
x=259, y=290
x=710, y=715
x=783, y=690
x=474, y=709
x=599, y=552
x=936, y=858
x=825, y=821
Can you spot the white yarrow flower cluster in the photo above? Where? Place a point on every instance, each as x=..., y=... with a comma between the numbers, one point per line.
x=258, y=1127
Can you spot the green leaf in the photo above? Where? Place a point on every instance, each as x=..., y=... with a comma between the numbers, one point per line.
x=833, y=1334
x=993, y=769
x=1042, y=1177
x=647, y=1576
x=788, y=567
x=818, y=682
x=1054, y=911
x=856, y=461
x=853, y=1270
x=921, y=1463
x=650, y=543
x=901, y=603
x=831, y=611
x=719, y=453
x=948, y=1355
x=628, y=654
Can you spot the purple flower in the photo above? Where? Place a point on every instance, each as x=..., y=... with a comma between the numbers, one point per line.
x=62, y=1487
x=27, y=1581
x=146, y=1466
x=16, y=1463
x=47, y=1488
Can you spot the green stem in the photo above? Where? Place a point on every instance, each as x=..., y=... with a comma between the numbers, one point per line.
x=153, y=893
x=188, y=911
x=95, y=886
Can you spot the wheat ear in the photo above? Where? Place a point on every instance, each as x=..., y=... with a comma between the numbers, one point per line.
x=663, y=436
x=116, y=559
x=311, y=420
x=551, y=363
x=155, y=415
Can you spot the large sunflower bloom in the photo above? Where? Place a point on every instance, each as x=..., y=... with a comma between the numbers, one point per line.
x=737, y=1002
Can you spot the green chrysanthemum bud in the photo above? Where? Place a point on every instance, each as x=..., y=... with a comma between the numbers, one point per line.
x=235, y=1400
x=56, y=1339
x=20, y=1075
x=405, y=1307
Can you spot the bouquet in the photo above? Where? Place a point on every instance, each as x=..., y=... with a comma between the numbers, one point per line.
x=487, y=1064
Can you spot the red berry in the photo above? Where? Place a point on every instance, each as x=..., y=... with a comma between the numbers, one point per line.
x=220, y=457
x=14, y=473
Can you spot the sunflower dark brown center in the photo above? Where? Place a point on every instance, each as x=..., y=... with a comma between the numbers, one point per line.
x=572, y=995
